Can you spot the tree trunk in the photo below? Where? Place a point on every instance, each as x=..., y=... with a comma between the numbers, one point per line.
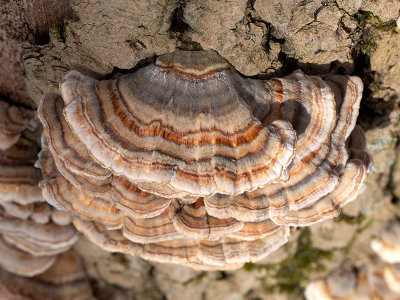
x=41, y=40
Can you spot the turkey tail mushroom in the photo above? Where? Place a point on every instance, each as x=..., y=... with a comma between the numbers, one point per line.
x=32, y=233
x=65, y=279
x=186, y=161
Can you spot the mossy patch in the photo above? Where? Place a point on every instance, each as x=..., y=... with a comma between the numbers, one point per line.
x=371, y=25
x=292, y=274
x=196, y=279
x=368, y=17
x=352, y=220
x=356, y=234
x=293, y=271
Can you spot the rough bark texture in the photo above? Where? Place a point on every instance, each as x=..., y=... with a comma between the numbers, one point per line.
x=23, y=23
x=261, y=38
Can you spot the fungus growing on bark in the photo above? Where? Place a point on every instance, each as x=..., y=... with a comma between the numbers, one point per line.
x=186, y=161
x=387, y=247
x=65, y=279
x=14, y=120
x=341, y=284
x=32, y=233
x=378, y=279
x=29, y=231
x=374, y=281
x=18, y=177
x=387, y=244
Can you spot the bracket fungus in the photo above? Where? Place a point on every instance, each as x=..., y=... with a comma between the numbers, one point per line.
x=375, y=281
x=378, y=279
x=65, y=279
x=186, y=161
x=32, y=233
x=387, y=244
x=13, y=121
x=31, y=237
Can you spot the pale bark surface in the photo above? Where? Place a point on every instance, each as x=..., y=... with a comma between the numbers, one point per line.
x=261, y=38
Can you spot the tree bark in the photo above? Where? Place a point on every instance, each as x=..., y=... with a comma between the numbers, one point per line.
x=24, y=23
x=261, y=38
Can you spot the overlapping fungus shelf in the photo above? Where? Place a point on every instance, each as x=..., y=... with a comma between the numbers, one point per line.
x=13, y=121
x=377, y=279
x=65, y=279
x=186, y=161
x=387, y=245
x=32, y=233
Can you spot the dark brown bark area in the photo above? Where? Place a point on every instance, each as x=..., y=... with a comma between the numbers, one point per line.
x=23, y=23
